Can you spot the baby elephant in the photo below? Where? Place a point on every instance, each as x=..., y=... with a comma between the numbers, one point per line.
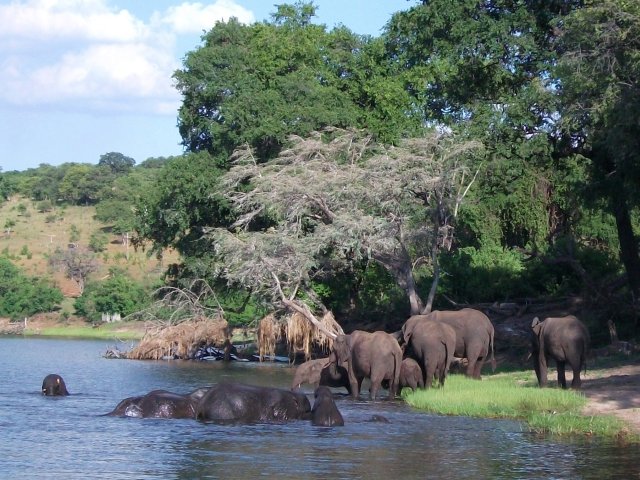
x=53, y=385
x=325, y=413
x=563, y=339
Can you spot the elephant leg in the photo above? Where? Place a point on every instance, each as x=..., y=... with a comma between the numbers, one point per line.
x=562, y=381
x=576, y=382
x=431, y=371
x=477, y=369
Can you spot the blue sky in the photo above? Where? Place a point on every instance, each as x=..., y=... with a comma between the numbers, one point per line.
x=80, y=78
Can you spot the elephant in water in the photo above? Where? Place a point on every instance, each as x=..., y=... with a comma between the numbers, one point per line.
x=160, y=404
x=242, y=403
x=376, y=356
x=325, y=412
x=318, y=372
x=563, y=339
x=474, y=335
x=53, y=385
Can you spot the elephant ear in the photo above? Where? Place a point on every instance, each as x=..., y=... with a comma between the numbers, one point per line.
x=536, y=326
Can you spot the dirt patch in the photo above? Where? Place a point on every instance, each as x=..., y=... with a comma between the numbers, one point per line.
x=614, y=391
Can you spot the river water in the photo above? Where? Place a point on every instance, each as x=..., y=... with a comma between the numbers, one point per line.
x=66, y=437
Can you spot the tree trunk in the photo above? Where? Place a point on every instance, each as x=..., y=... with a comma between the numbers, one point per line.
x=400, y=267
x=628, y=242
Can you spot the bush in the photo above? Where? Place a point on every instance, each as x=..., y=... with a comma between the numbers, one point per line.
x=22, y=296
x=117, y=294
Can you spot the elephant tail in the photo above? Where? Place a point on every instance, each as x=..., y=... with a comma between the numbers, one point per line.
x=493, y=357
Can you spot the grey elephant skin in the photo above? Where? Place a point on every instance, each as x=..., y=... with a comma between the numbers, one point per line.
x=318, y=372
x=53, y=386
x=159, y=404
x=376, y=356
x=325, y=412
x=563, y=339
x=243, y=403
x=474, y=335
x=432, y=344
x=410, y=375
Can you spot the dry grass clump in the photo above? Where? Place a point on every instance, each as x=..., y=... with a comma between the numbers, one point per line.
x=299, y=333
x=269, y=332
x=181, y=340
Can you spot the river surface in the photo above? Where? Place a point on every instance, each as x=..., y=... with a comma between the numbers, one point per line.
x=67, y=437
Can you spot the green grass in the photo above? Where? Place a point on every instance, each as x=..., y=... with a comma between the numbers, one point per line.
x=88, y=331
x=516, y=396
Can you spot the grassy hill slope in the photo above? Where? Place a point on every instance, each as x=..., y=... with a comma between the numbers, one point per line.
x=36, y=235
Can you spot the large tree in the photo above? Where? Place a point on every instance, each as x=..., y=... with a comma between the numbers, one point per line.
x=337, y=198
x=599, y=75
x=259, y=83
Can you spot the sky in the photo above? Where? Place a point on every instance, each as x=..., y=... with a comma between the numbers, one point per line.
x=81, y=78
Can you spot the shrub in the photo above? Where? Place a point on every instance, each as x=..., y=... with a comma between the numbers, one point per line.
x=22, y=296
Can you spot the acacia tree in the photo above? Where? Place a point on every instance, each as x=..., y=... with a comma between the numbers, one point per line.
x=335, y=198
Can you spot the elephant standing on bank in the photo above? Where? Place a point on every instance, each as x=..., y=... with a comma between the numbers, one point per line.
x=53, y=386
x=376, y=356
x=474, y=335
x=318, y=372
x=432, y=344
x=563, y=339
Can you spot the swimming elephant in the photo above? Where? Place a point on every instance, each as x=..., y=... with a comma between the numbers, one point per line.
x=318, y=372
x=474, y=335
x=563, y=339
x=376, y=356
x=160, y=404
x=325, y=412
x=53, y=385
x=432, y=344
x=241, y=403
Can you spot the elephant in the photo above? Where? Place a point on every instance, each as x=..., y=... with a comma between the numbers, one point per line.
x=432, y=344
x=376, y=356
x=160, y=404
x=53, y=386
x=563, y=339
x=318, y=372
x=410, y=375
x=474, y=335
x=230, y=402
x=325, y=412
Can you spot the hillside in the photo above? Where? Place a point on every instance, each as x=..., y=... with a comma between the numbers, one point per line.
x=34, y=235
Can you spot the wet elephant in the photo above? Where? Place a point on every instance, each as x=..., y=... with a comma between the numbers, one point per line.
x=474, y=335
x=563, y=339
x=160, y=404
x=432, y=344
x=243, y=403
x=325, y=412
x=318, y=372
x=53, y=385
x=376, y=356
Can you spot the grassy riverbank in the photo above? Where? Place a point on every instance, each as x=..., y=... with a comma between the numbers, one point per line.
x=516, y=396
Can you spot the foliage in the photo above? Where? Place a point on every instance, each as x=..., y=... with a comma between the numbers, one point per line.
x=182, y=203
x=116, y=162
x=257, y=84
x=21, y=296
x=337, y=198
x=117, y=294
x=600, y=105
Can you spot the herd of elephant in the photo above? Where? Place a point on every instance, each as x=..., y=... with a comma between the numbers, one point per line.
x=414, y=357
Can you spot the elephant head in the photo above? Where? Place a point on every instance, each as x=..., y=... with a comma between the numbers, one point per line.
x=341, y=353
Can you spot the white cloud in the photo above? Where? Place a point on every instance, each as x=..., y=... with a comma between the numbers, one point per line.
x=196, y=17
x=85, y=55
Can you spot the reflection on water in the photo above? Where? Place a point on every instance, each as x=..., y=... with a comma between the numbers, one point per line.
x=68, y=437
